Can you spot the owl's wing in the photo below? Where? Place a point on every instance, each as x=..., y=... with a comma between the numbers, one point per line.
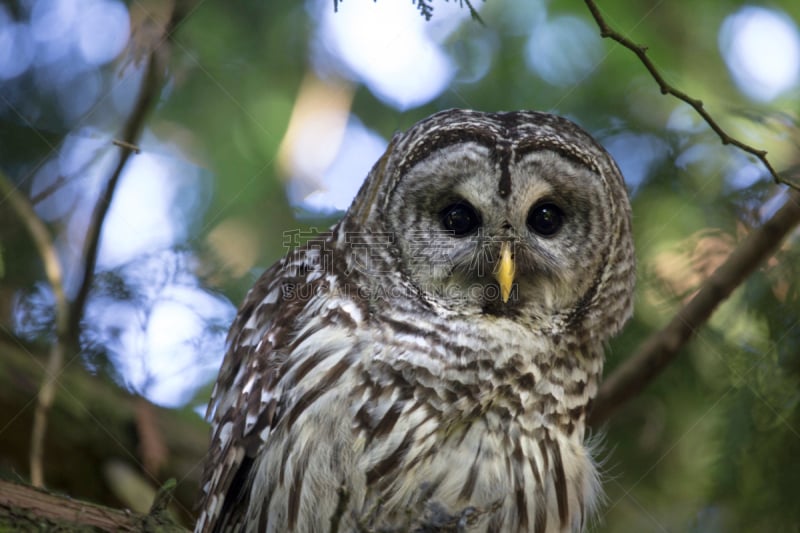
x=245, y=399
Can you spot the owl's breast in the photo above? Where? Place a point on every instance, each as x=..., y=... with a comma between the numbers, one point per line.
x=460, y=425
x=485, y=474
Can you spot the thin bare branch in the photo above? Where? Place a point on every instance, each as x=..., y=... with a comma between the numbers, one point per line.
x=150, y=89
x=153, y=449
x=44, y=245
x=641, y=52
x=52, y=267
x=49, y=190
x=152, y=24
x=130, y=146
x=68, y=317
x=659, y=350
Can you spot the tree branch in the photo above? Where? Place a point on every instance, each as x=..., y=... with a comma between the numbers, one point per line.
x=24, y=508
x=68, y=317
x=151, y=87
x=641, y=52
x=52, y=267
x=632, y=376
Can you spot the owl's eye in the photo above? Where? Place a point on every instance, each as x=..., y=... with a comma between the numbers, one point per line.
x=460, y=218
x=545, y=219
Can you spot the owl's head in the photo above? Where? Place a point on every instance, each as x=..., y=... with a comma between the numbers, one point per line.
x=519, y=214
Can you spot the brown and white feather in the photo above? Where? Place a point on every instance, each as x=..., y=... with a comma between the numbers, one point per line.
x=371, y=384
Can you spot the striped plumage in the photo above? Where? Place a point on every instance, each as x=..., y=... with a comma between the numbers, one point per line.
x=376, y=380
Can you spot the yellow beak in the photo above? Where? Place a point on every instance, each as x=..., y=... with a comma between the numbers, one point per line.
x=504, y=274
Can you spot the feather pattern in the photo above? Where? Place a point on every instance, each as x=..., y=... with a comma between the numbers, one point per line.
x=374, y=383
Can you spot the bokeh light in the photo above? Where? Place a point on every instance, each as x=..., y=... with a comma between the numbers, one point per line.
x=394, y=52
x=563, y=50
x=360, y=148
x=16, y=46
x=761, y=48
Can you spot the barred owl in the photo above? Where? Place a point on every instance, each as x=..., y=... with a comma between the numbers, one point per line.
x=428, y=363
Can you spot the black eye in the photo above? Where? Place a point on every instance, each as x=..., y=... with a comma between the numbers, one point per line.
x=460, y=218
x=545, y=219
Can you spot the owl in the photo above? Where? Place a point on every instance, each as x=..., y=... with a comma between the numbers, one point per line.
x=428, y=363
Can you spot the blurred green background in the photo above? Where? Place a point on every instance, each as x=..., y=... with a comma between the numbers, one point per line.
x=270, y=115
